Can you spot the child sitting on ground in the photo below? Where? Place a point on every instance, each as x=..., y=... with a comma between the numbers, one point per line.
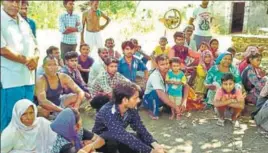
x=162, y=48
x=176, y=79
x=205, y=63
x=214, y=46
x=109, y=44
x=228, y=97
x=84, y=61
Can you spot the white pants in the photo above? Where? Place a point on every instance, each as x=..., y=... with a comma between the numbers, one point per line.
x=93, y=39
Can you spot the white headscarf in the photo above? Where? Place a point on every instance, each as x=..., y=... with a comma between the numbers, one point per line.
x=20, y=138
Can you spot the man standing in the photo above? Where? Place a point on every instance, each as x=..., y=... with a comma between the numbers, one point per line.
x=70, y=24
x=203, y=16
x=23, y=13
x=19, y=58
x=91, y=20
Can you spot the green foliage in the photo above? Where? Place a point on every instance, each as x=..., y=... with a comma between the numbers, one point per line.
x=45, y=13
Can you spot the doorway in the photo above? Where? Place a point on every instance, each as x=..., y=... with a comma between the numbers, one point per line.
x=238, y=17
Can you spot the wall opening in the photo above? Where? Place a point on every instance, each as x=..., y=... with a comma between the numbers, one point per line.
x=238, y=17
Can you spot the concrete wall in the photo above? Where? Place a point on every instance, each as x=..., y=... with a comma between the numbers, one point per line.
x=255, y=15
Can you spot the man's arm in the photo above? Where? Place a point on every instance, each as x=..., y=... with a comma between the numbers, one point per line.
x=75, y=89
x=83, y=26
x=107, y=21
x=137, y=125
x=171, y=53
x=165, y=99
x=42, y=98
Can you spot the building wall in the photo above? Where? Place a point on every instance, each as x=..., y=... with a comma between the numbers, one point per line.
x=255, y=15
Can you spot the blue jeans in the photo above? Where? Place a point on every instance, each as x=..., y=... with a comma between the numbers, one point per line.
x=198, y=39
x=152, y=102
x=9, y=97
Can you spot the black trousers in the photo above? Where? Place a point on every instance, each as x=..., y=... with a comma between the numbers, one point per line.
x=112, y=146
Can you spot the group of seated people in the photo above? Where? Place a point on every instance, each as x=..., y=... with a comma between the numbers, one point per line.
x=180, y=75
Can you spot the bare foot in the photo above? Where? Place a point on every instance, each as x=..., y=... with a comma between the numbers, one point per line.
x=178, y=116
x=171, y=117
x=154, y=117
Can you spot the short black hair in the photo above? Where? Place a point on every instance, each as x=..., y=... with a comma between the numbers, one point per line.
x=227, y=76
x=82, y=45
x=231, y=50
x=50, y=49
x=178, y=34
x=163, y=38
x=48, y=58
x=126, y=44
x=70, y=55
x=25, y=2
x=101, y=50
x=161, y=57
x=124, y=90
x=66, y=1
x=252, y=56
x=174, y=60
x=109, y=39
x=109, y=60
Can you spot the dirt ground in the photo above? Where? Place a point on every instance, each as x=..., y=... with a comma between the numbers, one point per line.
x=197, y=132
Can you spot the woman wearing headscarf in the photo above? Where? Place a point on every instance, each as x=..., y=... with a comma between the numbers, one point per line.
x=223, y=65
x=249, y=50
x=206, y=61
x=68, y=126
x=27, y=133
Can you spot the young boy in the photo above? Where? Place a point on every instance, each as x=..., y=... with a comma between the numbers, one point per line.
x=162, y=48
x=69, y=24
x=84, y=61
x=71, y=69
x=175, y=80
x=109, y=44
x=228, y=97
x=129, y=64
x=91, y=25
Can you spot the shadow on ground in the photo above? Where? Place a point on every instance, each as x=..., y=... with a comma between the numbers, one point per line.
x=197, y=132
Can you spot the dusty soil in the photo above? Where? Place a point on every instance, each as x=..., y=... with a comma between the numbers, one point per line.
x=197, y=132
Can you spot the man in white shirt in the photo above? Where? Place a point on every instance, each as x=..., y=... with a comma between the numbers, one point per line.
x=203, y=16
x=19, y=58
x=98, y=65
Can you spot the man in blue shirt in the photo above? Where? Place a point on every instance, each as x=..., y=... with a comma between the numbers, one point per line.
x=129, y=65
x=23, y=13
x=114, y=117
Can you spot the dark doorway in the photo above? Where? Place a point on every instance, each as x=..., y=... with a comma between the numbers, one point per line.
x=238, y=17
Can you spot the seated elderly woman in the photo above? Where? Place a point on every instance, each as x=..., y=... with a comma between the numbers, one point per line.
x=213, y=79
x=27, y=133
x=68, y=126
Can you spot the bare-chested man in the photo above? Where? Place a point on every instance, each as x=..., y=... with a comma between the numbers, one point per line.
x=49, y=89
x=91, y=20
